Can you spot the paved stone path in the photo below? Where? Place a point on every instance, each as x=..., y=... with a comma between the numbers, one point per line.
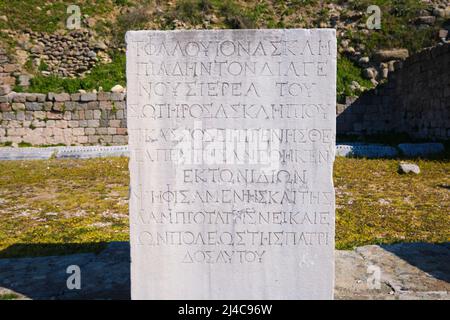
x=408, y=271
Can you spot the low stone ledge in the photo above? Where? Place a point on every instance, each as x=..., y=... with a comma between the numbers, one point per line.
x=365, y=150
x=76, y=152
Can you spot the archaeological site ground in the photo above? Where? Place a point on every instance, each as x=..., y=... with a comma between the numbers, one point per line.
x=225, y=150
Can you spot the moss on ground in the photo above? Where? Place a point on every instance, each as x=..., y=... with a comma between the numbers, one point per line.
x=66, y=206
x=376, y=205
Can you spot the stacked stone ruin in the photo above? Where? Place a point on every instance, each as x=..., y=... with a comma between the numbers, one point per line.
x=69, y=119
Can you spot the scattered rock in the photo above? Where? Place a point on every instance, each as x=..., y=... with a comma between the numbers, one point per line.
x=384, y=72
x=350, y=50
x=58, y=97
x=100, y=45
x=394, y=54
x=117, y=88
x=355, y=86
x=438, y=12
x=363, y=61
x=405, y=167
x=443, y=33
x=345, y=43
x=391, y=65
x=24, y=80
x=370, y=73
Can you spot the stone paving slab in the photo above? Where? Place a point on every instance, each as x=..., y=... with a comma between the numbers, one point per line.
x=26, y=153
x=407, y=271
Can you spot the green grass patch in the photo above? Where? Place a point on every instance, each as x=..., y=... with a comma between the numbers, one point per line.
x=346, y=73
x=376, y=205
x=103, y=75
x=24, y=144
x=47, y=16
x=397, y=26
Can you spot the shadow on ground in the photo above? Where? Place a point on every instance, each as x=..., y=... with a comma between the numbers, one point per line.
x=433, y=259
x=105, y=274
x=411, y=270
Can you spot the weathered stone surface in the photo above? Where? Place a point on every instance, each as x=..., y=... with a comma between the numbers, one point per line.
x=88, y=96
x=29, y=111
x=231, y=257
x=4, y=90
x=33, y=106
x=18, y=106
x=117, y=96
x=19, y=97
x=406, y=271
x=59, y=97
x=103, y=96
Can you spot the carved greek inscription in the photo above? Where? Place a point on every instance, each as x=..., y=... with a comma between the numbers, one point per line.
x=231, y=137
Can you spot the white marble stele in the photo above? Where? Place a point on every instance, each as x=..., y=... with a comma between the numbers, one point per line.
x=232, y=143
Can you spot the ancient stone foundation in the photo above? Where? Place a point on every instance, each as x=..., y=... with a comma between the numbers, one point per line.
x=415, y=100
x=69, y=119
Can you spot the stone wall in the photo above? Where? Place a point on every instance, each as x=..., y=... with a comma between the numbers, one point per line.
x=69, y=119
x=65, y=54
x=414, y=101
